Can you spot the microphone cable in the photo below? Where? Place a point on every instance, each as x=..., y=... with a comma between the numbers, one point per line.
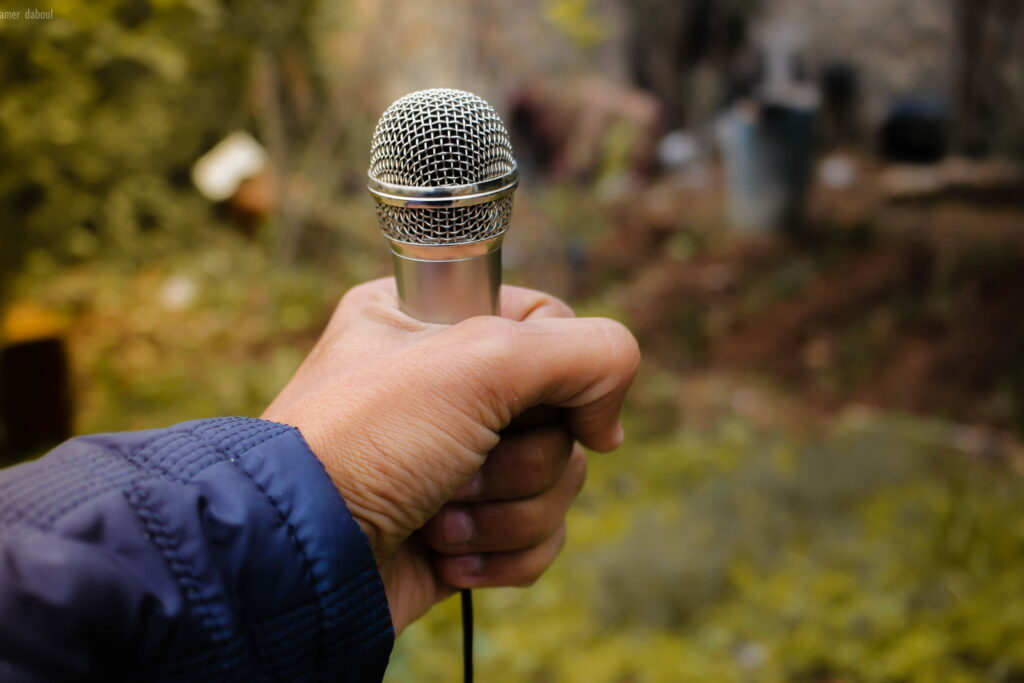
x=467, y=635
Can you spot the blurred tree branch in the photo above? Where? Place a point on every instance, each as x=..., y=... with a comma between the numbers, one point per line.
x=987, y=33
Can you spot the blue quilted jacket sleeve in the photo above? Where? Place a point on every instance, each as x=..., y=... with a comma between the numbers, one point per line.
x=215, y=550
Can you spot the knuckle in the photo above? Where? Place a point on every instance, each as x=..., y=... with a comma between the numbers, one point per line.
x=536, y=526
x=486, y=350
x=528, y=572
x=527, y=580
x=560, y=308
x=533, y=470
x=547, y=474
x=490, y=339
x=625, y=349
x=358, y=296
x=543, y=461
x=578, y=470
x=547, y=462
x=533, y=302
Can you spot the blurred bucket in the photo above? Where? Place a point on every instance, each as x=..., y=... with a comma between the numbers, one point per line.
x=768, y=157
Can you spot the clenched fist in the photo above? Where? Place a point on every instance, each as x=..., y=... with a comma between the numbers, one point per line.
x=454, y=446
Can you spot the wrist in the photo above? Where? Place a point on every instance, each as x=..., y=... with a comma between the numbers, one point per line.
x=346, y=481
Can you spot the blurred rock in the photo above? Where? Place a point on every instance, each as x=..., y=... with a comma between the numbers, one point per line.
x=837, y=171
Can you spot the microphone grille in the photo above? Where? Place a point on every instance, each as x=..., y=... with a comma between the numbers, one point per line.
x=436, y=138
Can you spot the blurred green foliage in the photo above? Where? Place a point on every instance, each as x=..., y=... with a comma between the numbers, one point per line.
x=209, y=331
x=578, y=20
x=104, y=109
x=873, y=553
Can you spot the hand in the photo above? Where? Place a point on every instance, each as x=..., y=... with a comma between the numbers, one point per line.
x=403, y=414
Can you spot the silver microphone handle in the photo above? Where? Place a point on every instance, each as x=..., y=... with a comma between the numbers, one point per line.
x=446, y=284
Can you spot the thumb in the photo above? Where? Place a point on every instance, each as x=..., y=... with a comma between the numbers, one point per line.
x=584, y=365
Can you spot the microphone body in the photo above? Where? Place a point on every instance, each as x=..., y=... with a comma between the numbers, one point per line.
x=448, y=284
x=442, y=174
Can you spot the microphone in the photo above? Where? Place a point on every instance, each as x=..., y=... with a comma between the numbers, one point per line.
x=442, y=174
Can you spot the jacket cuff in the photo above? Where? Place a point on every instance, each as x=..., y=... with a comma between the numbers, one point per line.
x=356, y=634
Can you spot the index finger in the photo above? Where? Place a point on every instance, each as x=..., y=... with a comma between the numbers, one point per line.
x=584, y=365
x=520, y=303
x=517, y=303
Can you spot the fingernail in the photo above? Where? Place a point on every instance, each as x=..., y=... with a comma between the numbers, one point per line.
x=471, y=488
x=470, y=565
x=458, y=527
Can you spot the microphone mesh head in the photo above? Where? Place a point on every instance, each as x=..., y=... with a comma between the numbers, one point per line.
x=436, y=138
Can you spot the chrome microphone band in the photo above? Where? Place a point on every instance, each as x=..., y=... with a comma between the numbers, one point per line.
x=446, y=291
x=446, y=252
x=444, y=196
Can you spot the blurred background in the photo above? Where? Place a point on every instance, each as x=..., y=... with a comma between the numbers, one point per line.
x=811, y=213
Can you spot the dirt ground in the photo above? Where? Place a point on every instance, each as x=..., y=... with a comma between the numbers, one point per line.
x=897, y=297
